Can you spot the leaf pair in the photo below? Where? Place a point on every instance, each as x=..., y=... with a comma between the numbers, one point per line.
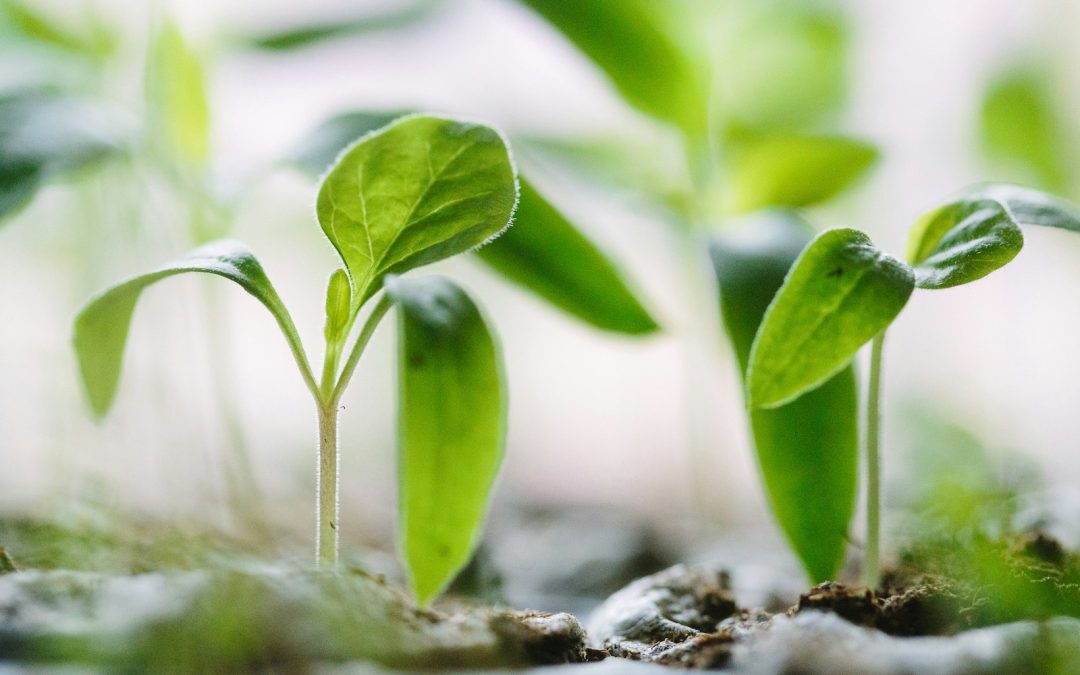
x=423, y=189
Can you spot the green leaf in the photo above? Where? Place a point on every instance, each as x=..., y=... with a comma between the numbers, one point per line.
x=546, y=254
x=43, y=135
x=338, y=306
x=409, y=14
x=1020, y=125
x=807, y=449
x=420, y=190
x=101, y=327
x=644, y=62
x=177, y=93
x=452, y=417
x=100, y=41
x=963, y=241
x=794, y=171
x=839, y=294
x=318, y=150
x=1030, y=207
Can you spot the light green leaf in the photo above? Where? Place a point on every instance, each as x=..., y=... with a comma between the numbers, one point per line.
x=962, y=241
x=402, y=16
x=546, y=254
x=177, y=93
x=420, y=190
x=644, y=62
x=318, y=150
x=338, y=306
x=840, y=293
x=101, y=327
x=452, y=417
x=807, y=449
x=1030, y=207
x=43, y=135
x=100, y=41
x=794, y=170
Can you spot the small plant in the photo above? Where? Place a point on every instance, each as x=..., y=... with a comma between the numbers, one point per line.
x=843, y=292
x=419, y=190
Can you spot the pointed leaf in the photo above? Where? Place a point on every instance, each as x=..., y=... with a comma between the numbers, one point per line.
x=546, y=254
x=101, y=327
x=452, y=418
x=1030, y=207
x=839, y=294
x=176, y=87
x=795, y=170
x=420, y=190
x=807, y=449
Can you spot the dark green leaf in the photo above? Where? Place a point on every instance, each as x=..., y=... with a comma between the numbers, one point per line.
x=452, y=417
x=408, y=14
x=101, y=327
x=840, y=293
x=546, y=254
x=420, y=190
x=807, y=449
x=794, y=171
x=963, y=241
x=318, y=150
x=176, y=87
x=644, y=63
x=1030, y=207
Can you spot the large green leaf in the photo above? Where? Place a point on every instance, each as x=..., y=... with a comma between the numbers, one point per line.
x=807, y=449
x=1028, y=206
x=546, y=254
x=963, y=241
x=794, y=170
x=176, y=87
x=644, y=62
x=101, y=327
x=419, y=190
x=839, y=294
x=43, y=135
x=452, y=417
x=318, y=149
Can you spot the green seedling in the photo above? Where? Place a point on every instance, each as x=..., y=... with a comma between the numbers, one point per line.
x=843, y=292
x=419, y=190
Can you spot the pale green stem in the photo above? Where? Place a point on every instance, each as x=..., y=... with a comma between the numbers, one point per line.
x=368, y=329
x=328, y=480
x=872, y=562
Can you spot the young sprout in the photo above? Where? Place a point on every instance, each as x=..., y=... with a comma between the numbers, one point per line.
x=422, y=189
x=843, y=292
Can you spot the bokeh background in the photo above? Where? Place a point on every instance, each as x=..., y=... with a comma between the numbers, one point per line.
x=651, y=425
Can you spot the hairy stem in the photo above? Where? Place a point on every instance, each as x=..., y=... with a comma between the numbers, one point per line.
x=872, y=562
x=327, y=481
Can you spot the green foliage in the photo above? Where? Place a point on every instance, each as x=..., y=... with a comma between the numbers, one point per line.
x=338, y=307
x=794, y=170
x=452, y=426
x=176, y=87
x=319, y=148
x=841, y=292
x=1029, y=207
x=546, y=254
x=101, y=327
x=420, y=190
x=39, y=28
x=807, y=449
x=403, y=16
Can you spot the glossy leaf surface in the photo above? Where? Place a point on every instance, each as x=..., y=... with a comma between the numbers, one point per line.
x=1030, y=207
x=546, y=254
x=452, y=426
x=420, y=190
x=101, y=327
x=807, y=449
x=839, y=294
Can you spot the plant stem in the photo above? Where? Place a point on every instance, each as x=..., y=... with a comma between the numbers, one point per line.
x=366, y=331
x=329, y=510
x=871, y=564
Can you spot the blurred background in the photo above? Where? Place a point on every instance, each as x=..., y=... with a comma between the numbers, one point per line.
x=652, y=425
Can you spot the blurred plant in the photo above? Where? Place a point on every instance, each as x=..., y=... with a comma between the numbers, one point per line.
x=843, y=292
x=419, y=190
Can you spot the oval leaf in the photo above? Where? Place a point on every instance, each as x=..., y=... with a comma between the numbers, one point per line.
x=839, y=294
x=101, y=327
x=452, y=426
x=546, y=254
x=963, y=241
x=795, y=170
x=176, y=88
x=419, y=190
x=807, y=449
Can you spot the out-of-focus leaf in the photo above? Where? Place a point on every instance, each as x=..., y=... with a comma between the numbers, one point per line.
x=794, y=170
x=840, y=293
x=546, y=254
x=176, y=87
x=646, y=65
x=807, y=449
x=42, y=135
x=452, y=417
x=422, y=189
x=962, y=241
x=310, y=35
x=1028, y=206
x=98, y=41
x=101, y=327
x=1020, y=125
x=318, y=150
